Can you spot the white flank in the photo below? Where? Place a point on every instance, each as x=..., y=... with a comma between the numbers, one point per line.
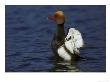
x=63, y=54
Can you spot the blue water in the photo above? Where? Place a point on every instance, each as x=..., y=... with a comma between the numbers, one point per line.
x=29, y=34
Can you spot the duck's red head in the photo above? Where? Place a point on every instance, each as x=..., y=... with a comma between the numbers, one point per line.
x=58, y=17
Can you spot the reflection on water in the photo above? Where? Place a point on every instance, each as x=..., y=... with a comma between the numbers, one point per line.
x=65, y=67
x=61, y=66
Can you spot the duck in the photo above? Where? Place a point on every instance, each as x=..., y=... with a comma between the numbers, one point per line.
x=65, y=47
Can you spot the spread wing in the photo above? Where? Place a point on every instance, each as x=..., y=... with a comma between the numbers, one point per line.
x=78, y=39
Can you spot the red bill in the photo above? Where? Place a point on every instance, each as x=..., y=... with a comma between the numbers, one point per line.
x=51, y=18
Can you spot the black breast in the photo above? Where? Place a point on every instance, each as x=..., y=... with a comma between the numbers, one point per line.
x=58, y=39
